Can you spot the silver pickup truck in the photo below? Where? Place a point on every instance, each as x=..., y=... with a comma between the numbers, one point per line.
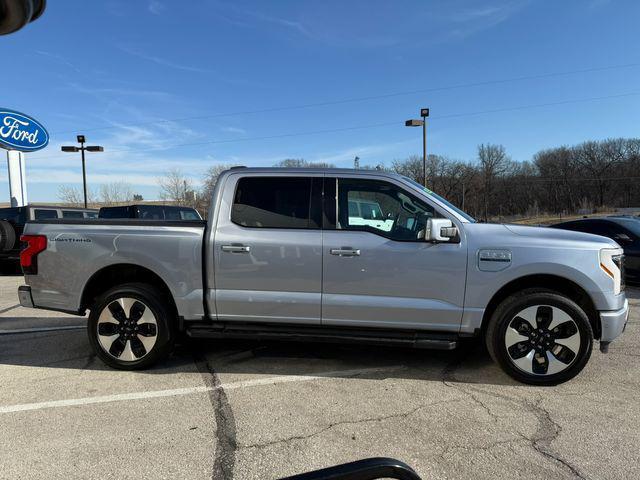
x=332, y=255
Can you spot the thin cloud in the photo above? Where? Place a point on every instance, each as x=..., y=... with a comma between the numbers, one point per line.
x=243, y=13
x=156, y=7
x=162, y=61
x=234, y=130
x=475, y=20
x=59, y=60
x=97, y=91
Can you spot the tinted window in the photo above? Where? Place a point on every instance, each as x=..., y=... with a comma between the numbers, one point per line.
x=41, y=214
x=630, y=227
x=171, y=213
x=114, y=212
x=188, y=214
x=72, y=214
x=382, y=208
x=276, y=202
x=596, y=227
x=13, y=215
x=91, y=214
x=150, y=212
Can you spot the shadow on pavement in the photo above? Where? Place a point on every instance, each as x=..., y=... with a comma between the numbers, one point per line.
x=70, y=349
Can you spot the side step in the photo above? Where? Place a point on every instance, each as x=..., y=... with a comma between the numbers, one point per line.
x=297, y=333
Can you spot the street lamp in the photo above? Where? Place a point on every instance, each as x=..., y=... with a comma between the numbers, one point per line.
x=82, y=149
x=424, y=113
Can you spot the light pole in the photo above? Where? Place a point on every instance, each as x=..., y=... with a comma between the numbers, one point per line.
x=424, y=113
x=81, y=149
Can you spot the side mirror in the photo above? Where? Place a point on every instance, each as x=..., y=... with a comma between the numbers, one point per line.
x=440, y=230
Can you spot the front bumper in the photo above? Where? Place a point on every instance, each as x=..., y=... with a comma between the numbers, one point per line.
x=614, y=322
x=24, y=295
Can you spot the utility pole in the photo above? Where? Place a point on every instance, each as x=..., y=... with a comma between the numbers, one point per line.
x=81, y=149
x=356, y=163
x=424, y=113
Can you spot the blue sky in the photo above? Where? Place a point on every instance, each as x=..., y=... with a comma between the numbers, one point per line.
x=153, y=80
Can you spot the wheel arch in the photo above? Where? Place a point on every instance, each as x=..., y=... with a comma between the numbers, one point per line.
x=555, y=283
x=119, y=274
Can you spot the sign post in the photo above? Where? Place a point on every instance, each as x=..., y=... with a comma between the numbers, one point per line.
x=17, y=176
x=19, y=133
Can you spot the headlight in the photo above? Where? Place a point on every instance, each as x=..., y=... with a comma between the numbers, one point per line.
x=612, y=263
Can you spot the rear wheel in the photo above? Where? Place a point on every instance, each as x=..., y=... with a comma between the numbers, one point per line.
x=130, y=327
x=540, y=337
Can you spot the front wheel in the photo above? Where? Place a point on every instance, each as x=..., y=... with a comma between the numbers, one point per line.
x=540, y=337
x=130, y=327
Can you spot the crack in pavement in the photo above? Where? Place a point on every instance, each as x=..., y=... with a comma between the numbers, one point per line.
x=226, y=444
x=547, y=432
x=488, y=447
x=346, y=422
x=448, y=379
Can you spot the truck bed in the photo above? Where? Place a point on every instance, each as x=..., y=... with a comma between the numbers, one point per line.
x=81, y=252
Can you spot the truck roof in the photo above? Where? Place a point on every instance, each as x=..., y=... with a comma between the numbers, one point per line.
x=330, y=170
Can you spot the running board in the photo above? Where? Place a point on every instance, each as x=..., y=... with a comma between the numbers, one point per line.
x=297, y=333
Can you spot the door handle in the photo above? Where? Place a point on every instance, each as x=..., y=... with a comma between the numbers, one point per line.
x=236, y=248
x=345, y=252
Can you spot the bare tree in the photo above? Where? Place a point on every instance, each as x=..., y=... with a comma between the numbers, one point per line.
x=493, y=161
x=410, y=167
x=176, y=187
x=302, y=163
x=209, y=183
x=115, y=192
x=74, y=196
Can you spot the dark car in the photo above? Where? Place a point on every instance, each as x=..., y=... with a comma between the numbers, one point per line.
x=150, y=212
x=625, y=230
x=13, y=219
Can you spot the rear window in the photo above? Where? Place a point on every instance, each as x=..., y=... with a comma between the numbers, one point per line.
x=188, y=214
x=72, y=214
x=114, y=212
x=274, y=202
x=44, y=214
x=180, y=213
x=150, y=212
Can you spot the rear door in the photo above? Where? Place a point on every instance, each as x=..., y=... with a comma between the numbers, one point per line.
x=378, y=269
x=268, y=249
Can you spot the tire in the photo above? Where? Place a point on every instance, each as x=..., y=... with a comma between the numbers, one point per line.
x=519, y=339
x=131, y=327
x=7, y=236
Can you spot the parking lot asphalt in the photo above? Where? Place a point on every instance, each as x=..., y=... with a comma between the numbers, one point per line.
x=246, y=410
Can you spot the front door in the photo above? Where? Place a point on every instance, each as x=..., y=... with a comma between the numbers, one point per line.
x=268, y=250
x=378, y=269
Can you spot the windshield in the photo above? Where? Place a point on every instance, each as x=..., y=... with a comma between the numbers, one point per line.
x=631, y=224
x=422, y=188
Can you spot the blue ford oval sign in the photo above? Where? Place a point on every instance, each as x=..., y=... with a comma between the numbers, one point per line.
x=20, y=132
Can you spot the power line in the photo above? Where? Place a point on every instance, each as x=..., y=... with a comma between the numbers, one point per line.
x=368, y=126
x=365, y=98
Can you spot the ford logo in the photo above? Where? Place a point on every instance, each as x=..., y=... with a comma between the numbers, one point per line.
x=20, y=132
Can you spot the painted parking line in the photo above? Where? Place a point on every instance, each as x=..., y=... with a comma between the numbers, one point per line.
x=41, y=329
x=121, y=397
